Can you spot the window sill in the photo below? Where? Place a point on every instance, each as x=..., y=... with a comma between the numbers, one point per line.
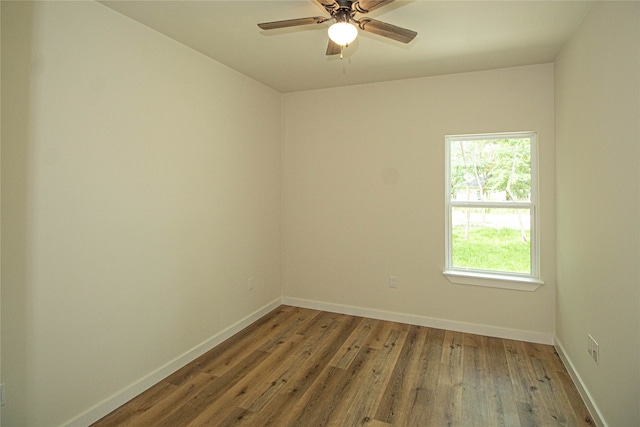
x=493, y=280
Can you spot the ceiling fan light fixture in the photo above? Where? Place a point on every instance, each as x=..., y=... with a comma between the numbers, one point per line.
x=343, y=33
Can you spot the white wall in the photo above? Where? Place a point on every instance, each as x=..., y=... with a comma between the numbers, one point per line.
x=598, y=206
x=140, y=190
x=363, y=195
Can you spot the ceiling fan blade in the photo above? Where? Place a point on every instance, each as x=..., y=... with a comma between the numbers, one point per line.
x=364, y=6
x=387, y=30
x=292, y=22
x=329, y=5
x=333, y=48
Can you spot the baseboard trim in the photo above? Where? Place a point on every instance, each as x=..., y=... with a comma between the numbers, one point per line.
x=596, y=415
x=471, y=328
x=118, y=399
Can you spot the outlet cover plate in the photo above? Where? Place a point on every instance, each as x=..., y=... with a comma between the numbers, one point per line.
x=393, y=281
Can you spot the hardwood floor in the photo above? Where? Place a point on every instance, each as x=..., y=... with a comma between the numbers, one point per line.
x=300, y=367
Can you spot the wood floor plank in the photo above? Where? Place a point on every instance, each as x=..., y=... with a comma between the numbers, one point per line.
x=527, y=414
x=289, y=326
x=448, y=393
x=503, y=410
x=531, y=409
x=150, y=400
x=476, y=386
x=234, y=397
x=417, y=401
x=522, y=376
x=197, y=402
x=404, y=380
x=224, y=356
x=297, y=384
x=319, y=338
x=575, y=401
x=348, y=351
x=376, y=423
x=237, y=417
x=299, y=367
x=321, y=399
x=378, y=335
x=359, y=406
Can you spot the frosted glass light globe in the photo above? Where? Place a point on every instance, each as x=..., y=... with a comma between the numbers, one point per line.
x=343, y=33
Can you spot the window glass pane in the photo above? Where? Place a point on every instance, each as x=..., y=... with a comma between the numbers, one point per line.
x=496, y=239
x=495, y=170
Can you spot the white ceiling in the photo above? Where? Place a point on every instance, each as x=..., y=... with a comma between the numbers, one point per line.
x=453, y=37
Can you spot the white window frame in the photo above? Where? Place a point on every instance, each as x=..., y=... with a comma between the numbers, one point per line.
x=494, y=279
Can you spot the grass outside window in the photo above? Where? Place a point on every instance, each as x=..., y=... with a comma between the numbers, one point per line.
x=494, y=249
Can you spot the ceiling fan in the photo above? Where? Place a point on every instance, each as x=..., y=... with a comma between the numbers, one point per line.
x=344, y=30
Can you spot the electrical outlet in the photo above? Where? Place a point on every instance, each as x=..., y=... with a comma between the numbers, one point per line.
x=393, y=282
x=250, y=284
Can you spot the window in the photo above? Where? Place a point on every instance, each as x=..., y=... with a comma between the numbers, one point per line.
x=491, y=202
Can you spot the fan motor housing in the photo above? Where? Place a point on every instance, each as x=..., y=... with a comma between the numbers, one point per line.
x=345, y=3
